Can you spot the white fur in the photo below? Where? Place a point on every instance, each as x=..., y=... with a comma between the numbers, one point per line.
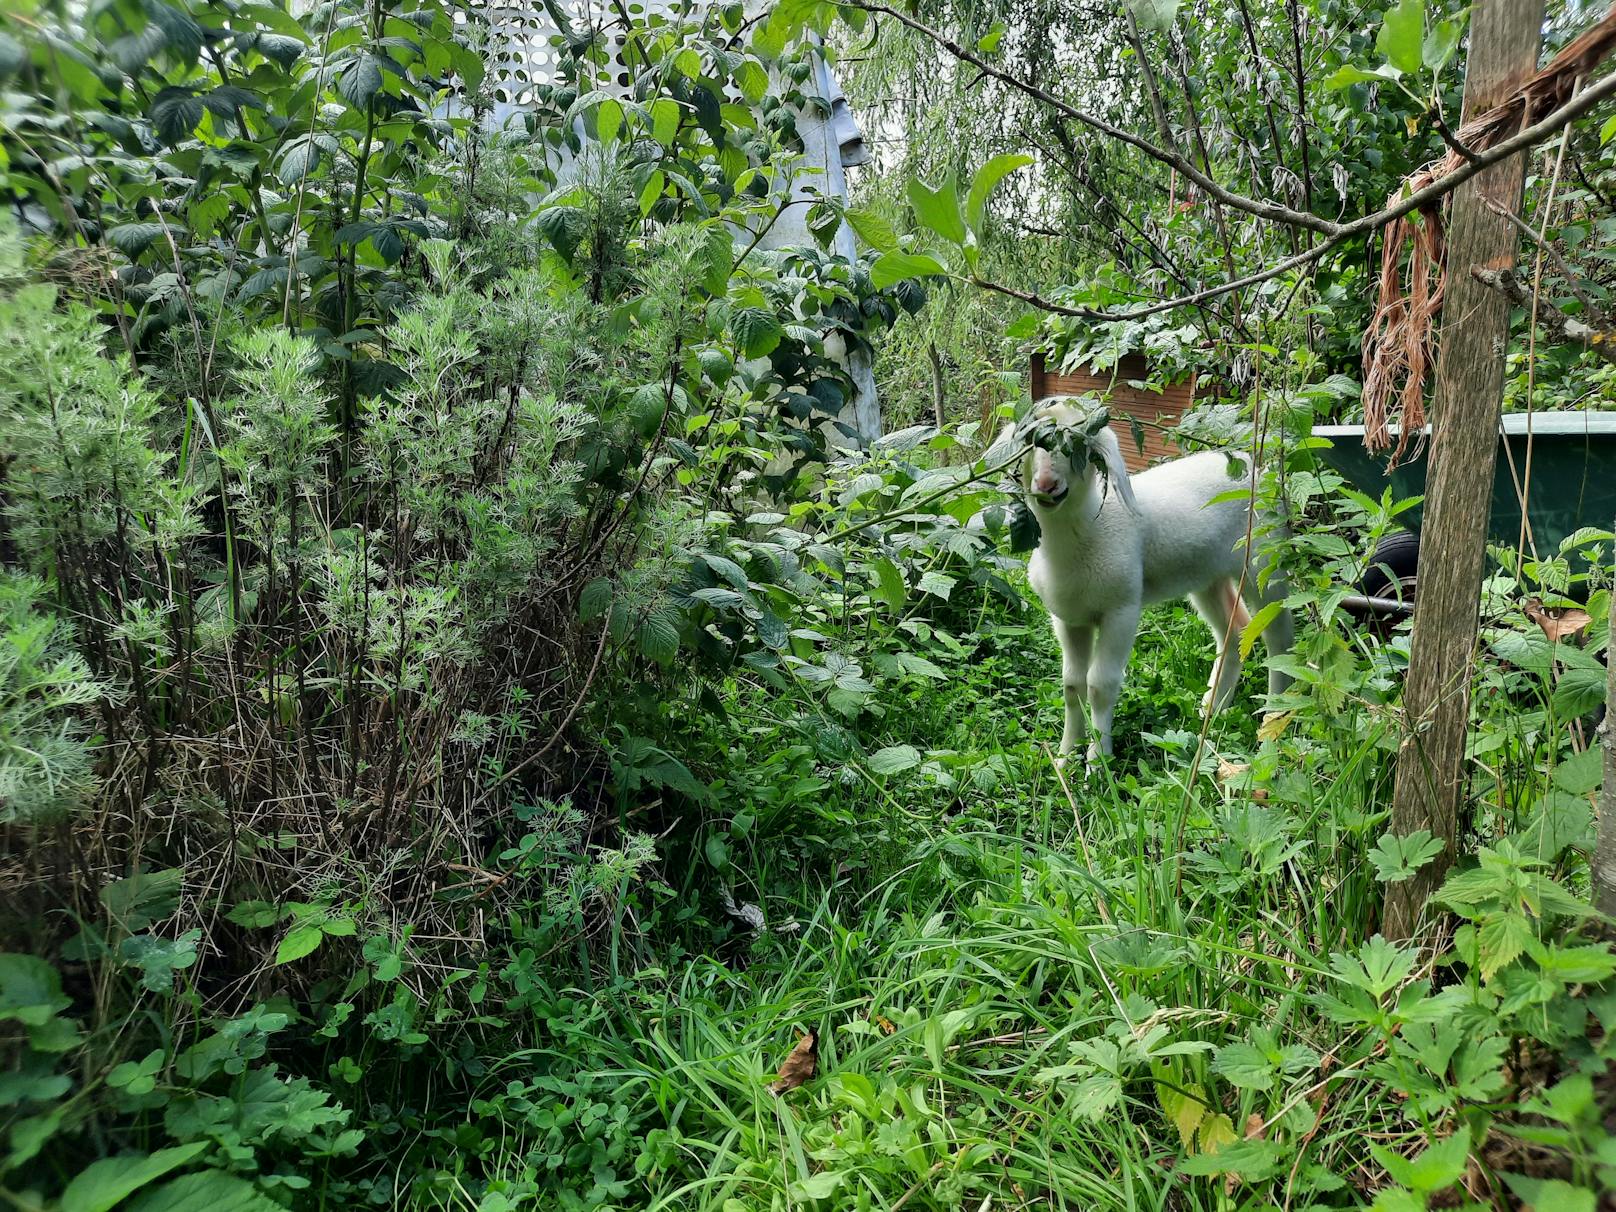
x=1111, y=546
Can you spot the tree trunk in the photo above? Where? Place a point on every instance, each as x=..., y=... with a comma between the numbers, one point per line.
x=1504, y=40
x=1604, y=864
x=939, y=395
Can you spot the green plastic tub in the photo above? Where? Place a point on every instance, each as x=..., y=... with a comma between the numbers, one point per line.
x=1573, y=461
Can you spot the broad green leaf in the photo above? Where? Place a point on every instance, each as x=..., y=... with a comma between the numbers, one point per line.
x=894, y=759
x=1402, y=35
x=893, y=267
x=989, y=42
x=1155, y=15
x=299, y=941
x=1440, y=42
x=608, y=120
x=757, y=331
x=872, y=228
x=360, y=81
x=664, y=120
x=1258, y=624
x=30, y=990
x=889, y=587
x=938, y=209
x=1183, y=1110
x=1244, y=1065
x=986, y=180
x=104, y=1183
x=205, y=1191
x=1344, y=76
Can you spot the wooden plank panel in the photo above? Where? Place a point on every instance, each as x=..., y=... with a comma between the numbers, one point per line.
x=1153, y=409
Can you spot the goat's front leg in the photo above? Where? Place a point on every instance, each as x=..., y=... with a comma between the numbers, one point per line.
x=1076, y=643
x=1113, y=645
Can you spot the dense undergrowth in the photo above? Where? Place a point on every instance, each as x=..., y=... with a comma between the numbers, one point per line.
x=469, y=712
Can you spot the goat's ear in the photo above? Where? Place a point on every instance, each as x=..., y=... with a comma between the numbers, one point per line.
x=1116, y=471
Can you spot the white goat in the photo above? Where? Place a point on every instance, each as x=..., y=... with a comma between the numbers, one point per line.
x=1111, y=545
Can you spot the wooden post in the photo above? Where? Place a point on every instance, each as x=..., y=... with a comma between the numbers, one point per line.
x=1504, y=39
x=1604, y=864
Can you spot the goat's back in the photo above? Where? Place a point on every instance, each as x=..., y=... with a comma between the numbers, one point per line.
x=1191, y=539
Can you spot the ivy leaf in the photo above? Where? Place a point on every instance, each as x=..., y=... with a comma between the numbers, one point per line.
x=1402, y=35
x=756, y=330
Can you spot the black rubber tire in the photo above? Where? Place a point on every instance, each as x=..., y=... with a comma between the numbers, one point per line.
x=1397, y=554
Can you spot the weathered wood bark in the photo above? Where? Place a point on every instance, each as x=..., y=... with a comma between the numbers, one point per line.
x=1604, y=864
x=1504, y=40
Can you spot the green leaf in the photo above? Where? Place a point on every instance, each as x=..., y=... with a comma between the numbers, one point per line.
x=889, y=587
x=894, y=759
x=1581, y=772
x=893, y=267
x=254, y=915
x=175, y=113
x=1244, y=1065
x=1155, y=15
x=205, y=1191
x=132, y=239
x=989, y=42
x=757, y=331
x=608, y=120
x=659, y=638
x=817, y=1186
x=936, y=583
x=299, y=941
x=360, y=81
x=1402, y=35
x=1258, y=624
x=1440, y=42
x=986, y=181
x=664, y=120
x=104, y=1183
x=12, y=55
x=145, y=897
x=872, y=228
x=938, y=209
x=1398, y=858
x=1344, y=76
x=30, y=990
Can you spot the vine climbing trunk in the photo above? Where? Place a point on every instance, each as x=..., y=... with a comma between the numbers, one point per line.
x=1504, y=39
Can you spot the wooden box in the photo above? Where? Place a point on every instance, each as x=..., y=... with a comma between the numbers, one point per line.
x=1152, y=409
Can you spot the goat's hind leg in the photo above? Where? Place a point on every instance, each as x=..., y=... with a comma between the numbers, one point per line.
x=1219, y=605
x=1075, y=644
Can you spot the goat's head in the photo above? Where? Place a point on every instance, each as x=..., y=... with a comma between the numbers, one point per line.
x=1071, y=449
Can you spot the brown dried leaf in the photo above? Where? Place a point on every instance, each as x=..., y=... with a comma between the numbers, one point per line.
x=800, y=1066
x=1254, y=1127
x=1229, y=770
x=1559, y=622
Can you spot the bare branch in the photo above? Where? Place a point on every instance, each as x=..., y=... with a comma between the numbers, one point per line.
x=1572, y=281
x=1339, y=233
x=1567, y=328
x=1260, y=207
